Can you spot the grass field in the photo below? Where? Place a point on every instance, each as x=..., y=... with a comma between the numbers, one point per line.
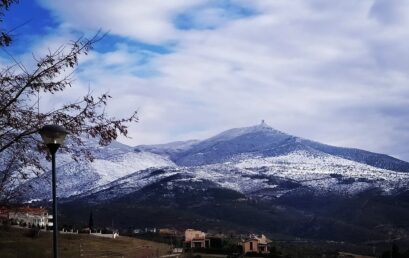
x=16, y=243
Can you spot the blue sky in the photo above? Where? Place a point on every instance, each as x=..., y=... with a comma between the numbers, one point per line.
x=328, y=70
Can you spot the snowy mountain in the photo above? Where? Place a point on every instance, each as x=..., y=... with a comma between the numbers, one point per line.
x=111, y=162
x=265, y=177
x=254, y=161
x=262, y=140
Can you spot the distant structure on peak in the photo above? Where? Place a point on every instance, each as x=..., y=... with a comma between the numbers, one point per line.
x=263, y=123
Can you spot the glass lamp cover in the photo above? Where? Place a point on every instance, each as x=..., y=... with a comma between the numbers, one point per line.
x=53, y=134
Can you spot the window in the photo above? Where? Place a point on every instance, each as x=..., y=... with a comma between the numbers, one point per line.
x=251, y=246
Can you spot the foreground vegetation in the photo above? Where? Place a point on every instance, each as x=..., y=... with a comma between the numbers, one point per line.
x=21, y=243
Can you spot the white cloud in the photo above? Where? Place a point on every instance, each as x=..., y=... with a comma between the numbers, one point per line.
x=148, y=21
x=333, y=71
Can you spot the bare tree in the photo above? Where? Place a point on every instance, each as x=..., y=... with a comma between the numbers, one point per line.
x=5, y=38
x=20, y=120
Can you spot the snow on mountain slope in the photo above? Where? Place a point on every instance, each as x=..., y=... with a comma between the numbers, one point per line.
x=76, y=177
x=120, y=166
x=129, y=183
x=252, y=160
x=225, y=145
x=262, y=140
x=257, y=175
x=236, y=132
x=167, y=148
x=326, y=172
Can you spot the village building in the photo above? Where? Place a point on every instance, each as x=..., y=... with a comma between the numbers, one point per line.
x=249, y=245
x=145, y=230
x=138, y=231
x=196, y=239
x=255, y=244
x=168, y=232
x=177, y=250
x=151, y=230
x=30, y=216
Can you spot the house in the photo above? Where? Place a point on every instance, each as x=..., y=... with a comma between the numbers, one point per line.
x=255, y=243
x=151, y=230
x=177, y=250
x=168, y=232
x=249, y=245
x=138, y=231
x=196, y=239
x=32, y=216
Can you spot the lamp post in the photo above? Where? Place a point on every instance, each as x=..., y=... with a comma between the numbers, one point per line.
x=53, y=136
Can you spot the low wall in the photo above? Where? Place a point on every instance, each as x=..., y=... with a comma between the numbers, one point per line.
x=115, y=235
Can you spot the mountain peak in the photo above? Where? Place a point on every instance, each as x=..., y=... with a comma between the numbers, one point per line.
x=263, y=125
x=261, y=128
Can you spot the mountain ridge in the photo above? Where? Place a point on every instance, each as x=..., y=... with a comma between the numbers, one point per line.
x=258, y=156
x=268, y=141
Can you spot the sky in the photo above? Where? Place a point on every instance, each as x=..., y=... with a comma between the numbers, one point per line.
x=327, y=70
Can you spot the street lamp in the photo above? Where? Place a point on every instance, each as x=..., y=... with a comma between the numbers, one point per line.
x=53, y=136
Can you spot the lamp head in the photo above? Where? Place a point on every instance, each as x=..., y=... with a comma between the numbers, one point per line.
x=53, y=136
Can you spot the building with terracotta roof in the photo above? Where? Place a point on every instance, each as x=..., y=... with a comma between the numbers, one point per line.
x=255, y=244
x=34, y=216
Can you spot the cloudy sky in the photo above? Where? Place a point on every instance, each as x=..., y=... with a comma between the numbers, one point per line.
x=327, y=70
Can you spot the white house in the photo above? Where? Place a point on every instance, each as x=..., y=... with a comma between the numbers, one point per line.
x=28, y=215
x=196, y=239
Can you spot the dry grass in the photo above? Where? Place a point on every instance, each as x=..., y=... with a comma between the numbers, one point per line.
x=15, y=243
